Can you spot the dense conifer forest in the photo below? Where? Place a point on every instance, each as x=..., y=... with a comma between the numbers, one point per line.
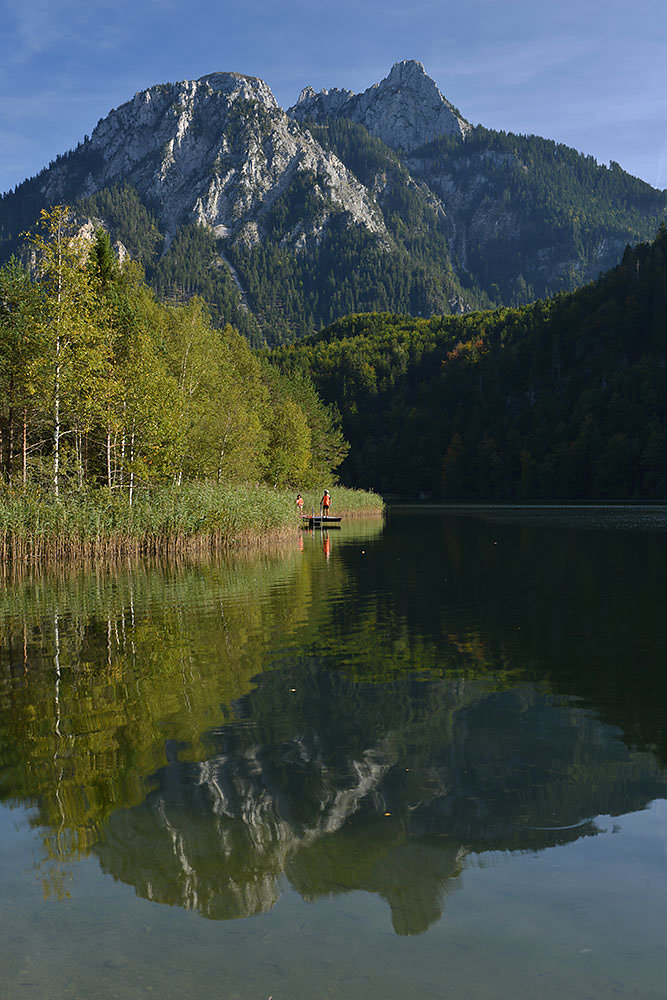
x=544, y=202
x=564, y=399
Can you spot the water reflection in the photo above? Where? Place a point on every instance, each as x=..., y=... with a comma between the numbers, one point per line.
x=353, y=712
x=386, y=790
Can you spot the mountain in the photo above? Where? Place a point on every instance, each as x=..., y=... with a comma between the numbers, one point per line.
x=385, y=200
x=405, y=111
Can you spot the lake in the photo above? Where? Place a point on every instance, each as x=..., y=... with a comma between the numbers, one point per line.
x=420, y=757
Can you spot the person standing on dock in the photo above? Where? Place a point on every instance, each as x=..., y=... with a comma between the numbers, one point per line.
x=299, y=504
x=325, y=503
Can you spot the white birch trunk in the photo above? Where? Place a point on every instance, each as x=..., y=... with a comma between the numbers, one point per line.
x=56, y=388
x=25, y=446
x=132, y=465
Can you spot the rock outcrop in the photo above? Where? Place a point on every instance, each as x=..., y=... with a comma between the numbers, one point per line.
x=218, y=151
x=386, y=200
x=405, y=110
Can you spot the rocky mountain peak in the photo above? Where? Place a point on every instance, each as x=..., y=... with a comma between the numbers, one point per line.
x=218, y=151
x=235, y=85
x=408, y=72
x=405, y=110
x=338, y=211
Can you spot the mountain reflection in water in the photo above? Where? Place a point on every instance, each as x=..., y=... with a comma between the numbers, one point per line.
x=385, y=789
x=361, y=712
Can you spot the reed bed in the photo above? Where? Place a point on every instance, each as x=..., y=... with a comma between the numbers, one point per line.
x=346, y=502
x=202, y=516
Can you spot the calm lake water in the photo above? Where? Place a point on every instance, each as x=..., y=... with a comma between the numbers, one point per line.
x=422, y=758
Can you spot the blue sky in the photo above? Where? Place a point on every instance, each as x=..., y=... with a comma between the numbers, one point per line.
x=589, y=73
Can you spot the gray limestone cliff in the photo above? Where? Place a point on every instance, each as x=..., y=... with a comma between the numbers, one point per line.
x=405, y=110
x=383, y=200
x=218, y=151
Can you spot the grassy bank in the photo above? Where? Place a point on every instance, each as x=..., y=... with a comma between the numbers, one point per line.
x=35, y=526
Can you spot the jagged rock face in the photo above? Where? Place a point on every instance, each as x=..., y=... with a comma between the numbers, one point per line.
x=405, y=110
x=218, y=151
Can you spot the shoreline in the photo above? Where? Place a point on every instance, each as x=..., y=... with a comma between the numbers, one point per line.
x=195, y=519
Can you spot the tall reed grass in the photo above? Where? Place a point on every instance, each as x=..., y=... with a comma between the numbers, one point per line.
x=35, y=526
x=344, y=501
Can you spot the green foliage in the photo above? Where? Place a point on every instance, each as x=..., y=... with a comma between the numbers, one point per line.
x=328, y=447
x=90, y=522
x=193, y=266
x=103, y=263
x=128, y=219
x=20, y=346
x=564, y=399
x=546, y=202
x=350, y=270
x=103, y=385
x=71, y=355
x=305, y=440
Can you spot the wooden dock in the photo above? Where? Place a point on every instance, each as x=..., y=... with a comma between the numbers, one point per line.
x=319, y=521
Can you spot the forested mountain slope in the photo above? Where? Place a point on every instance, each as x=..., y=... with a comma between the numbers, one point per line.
x=529, y=217
x=387, y=200
x=562, y=399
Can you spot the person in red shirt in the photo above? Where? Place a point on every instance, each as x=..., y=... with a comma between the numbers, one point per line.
x=299, y=504
x=325, y=503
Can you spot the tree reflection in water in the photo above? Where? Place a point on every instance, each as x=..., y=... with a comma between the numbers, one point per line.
x=363, y=718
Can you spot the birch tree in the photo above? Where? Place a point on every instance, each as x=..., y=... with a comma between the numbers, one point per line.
x=71, y=356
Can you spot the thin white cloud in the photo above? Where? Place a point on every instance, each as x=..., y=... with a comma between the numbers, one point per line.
x=63, y=28
x=39, y=26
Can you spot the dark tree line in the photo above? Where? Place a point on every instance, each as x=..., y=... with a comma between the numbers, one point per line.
x=563, y=399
